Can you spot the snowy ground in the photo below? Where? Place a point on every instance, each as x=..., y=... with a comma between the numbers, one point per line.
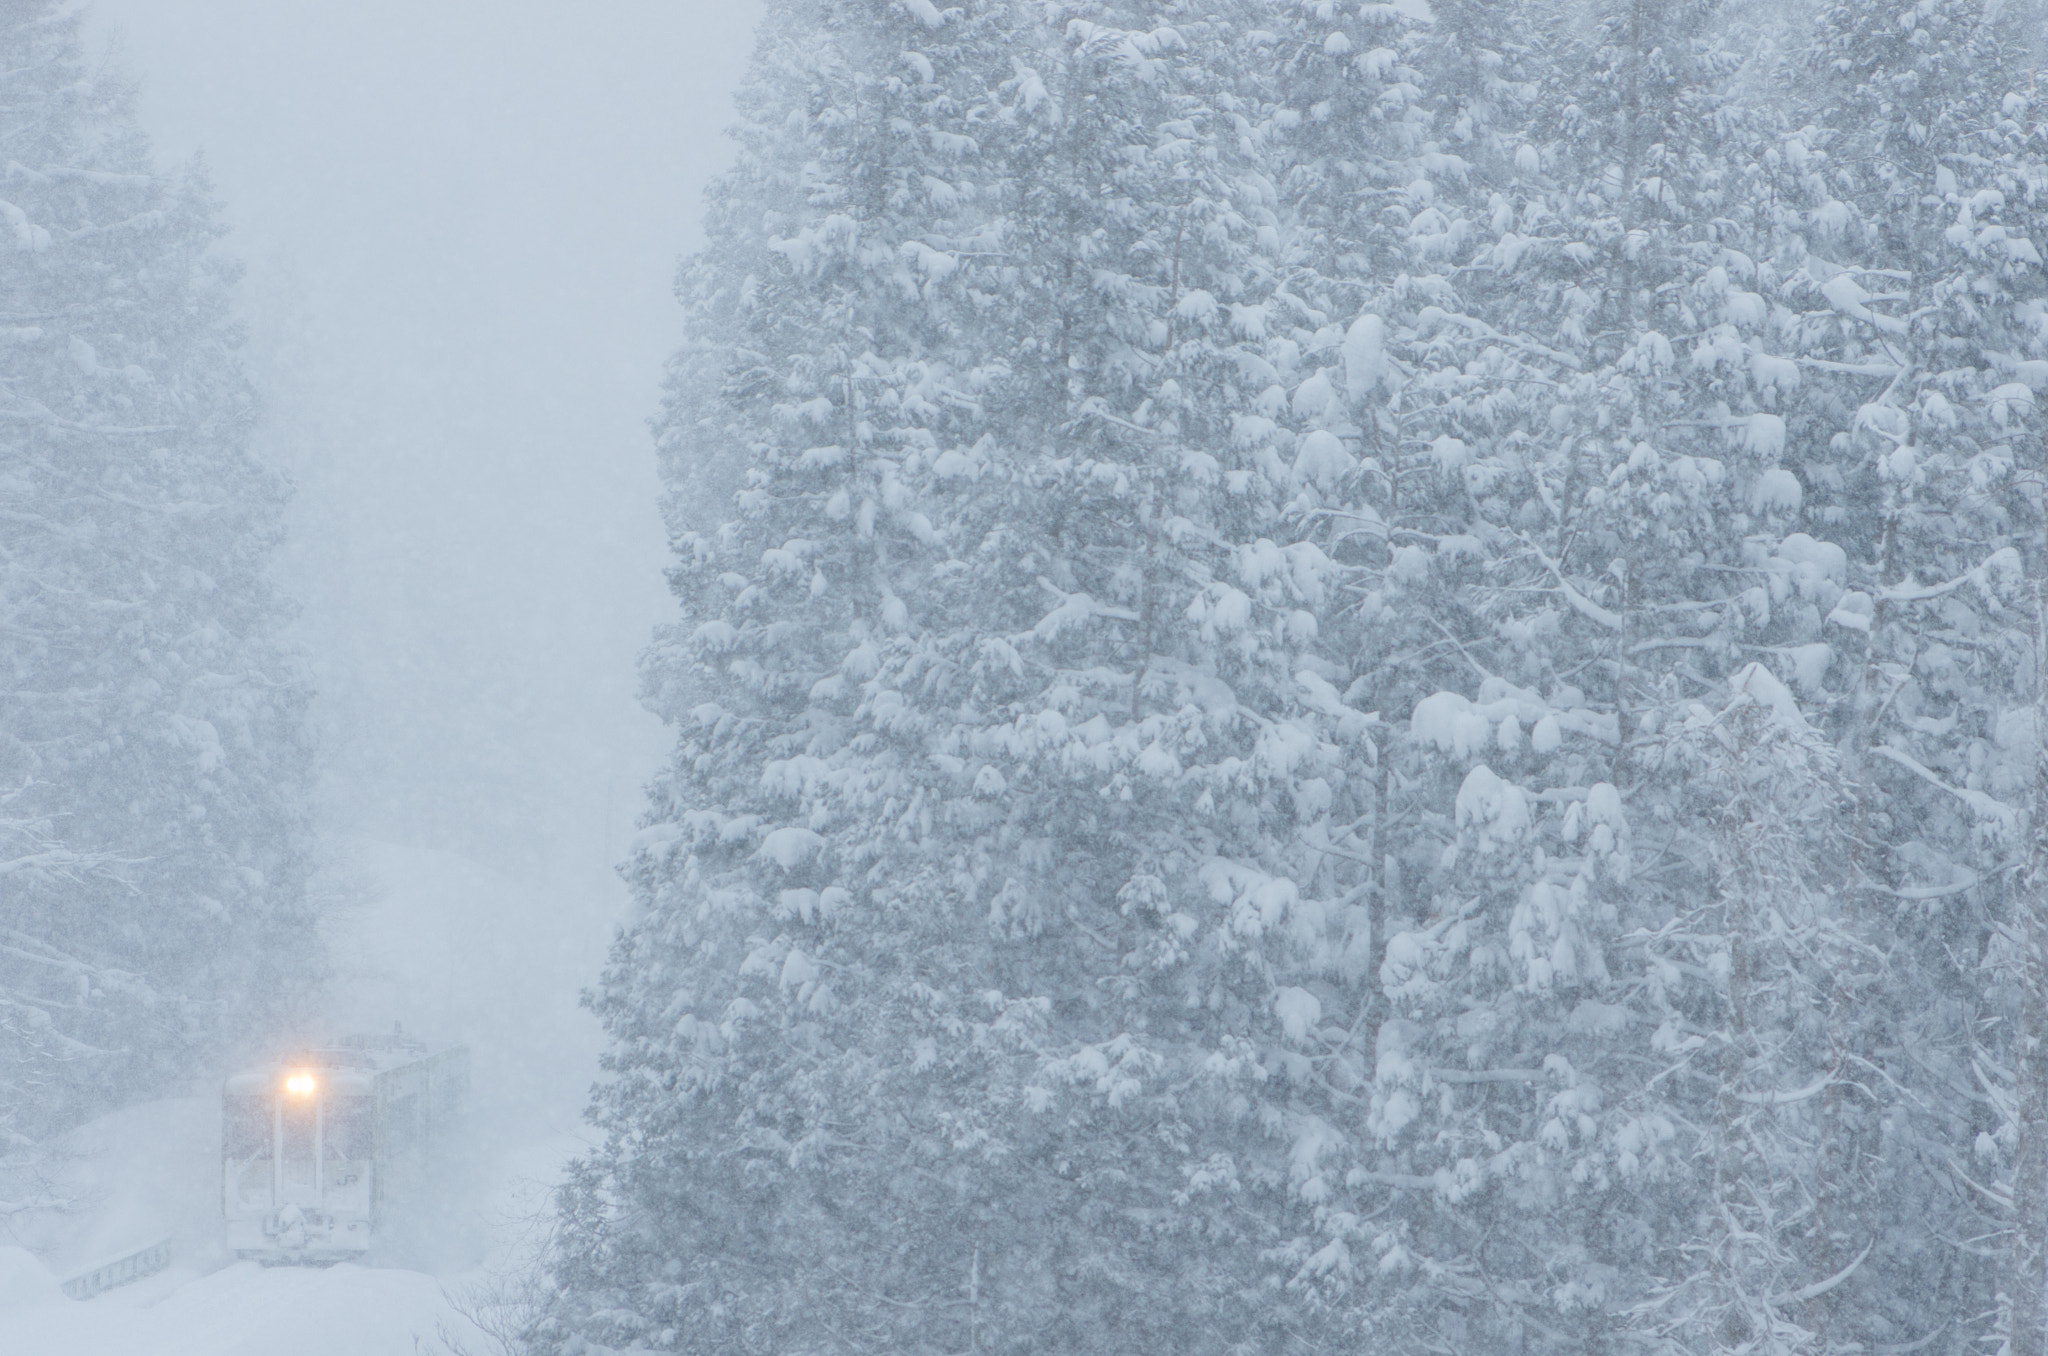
x=244, y=1310
x=207, y=1304
x=454, y=951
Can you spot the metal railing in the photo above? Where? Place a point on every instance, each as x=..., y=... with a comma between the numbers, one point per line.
x=129, y=1266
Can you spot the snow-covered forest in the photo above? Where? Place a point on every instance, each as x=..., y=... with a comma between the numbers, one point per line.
x=1340, y=677
x=154, y=760
x=1373, y=684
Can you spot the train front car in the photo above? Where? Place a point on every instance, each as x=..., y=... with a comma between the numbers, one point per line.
x=335, y=1150
x=298, y=1160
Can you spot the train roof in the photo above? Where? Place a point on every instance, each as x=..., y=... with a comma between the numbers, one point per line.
x=364, y=1055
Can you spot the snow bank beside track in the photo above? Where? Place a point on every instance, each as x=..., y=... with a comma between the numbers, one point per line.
x=244, y=1310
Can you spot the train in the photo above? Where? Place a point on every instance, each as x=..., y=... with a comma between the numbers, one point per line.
x=335, y=1150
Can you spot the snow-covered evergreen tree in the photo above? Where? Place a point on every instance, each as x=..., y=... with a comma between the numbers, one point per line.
x=1582, y=581
x=954, y=992
x=1915, y=232
x=1370, y=687
x=151, y=736
x=2025, y=948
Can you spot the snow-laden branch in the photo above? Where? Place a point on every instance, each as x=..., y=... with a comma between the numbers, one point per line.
x=17, y=170
x=1096, y=409
x=1785, y=1098
x=1923, y=892
x=1487, y=1075
x=27, y=235
x=1988, y=806
x=1581, y=604
x=1488, y=332
x=1992, y=1194
x=1851, y=369
x=40, y=414
x=1072, y=609
x=1903, y=1348
x=38, y=1017
x=141, y=221
x=1845, y=295
x=1819, y=1288
x=1976, y=574
x=49, y=859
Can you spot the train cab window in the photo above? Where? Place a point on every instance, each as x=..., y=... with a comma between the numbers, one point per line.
x=298, y=1164
x=245, y=1127
x=350, y=1124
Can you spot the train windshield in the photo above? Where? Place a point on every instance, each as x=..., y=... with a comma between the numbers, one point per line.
x=350, y=1125
x=245, y=1127
x=300, y=1115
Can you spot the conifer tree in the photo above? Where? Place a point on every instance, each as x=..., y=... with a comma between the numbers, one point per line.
x=152, y=743
x=971, y=896
x=1921, y=283
x=1592, y=496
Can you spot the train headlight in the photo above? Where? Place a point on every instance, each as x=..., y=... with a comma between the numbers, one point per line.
x=299, y=1084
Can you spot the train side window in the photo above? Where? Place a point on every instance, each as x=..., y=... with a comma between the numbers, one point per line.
x=245, y=1127
x=348, y=1128
x=402, y=1120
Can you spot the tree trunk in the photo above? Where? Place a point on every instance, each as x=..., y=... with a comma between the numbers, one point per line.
x=2026, y=1285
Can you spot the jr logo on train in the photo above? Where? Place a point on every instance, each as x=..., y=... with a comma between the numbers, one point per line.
x=333, y=1150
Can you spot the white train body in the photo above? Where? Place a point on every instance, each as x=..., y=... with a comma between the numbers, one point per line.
x=323, y=1155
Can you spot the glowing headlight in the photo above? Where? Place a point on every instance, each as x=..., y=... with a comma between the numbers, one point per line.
x=299, y=1084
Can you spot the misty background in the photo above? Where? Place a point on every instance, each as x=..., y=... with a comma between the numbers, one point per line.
x=1424, y=639
x=459, y=221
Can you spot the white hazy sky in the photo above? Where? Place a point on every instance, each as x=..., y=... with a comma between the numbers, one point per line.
x=460, y=220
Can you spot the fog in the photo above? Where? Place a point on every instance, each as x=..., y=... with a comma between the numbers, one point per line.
x=459, y=221
x=1378, y=678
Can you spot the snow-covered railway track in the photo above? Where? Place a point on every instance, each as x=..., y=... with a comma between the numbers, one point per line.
x=118, y=1270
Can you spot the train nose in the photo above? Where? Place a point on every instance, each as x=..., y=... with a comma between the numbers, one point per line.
x=287, y=1227
x=293, y=1228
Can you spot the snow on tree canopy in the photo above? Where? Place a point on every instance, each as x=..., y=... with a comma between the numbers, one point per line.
x=1414, y=718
